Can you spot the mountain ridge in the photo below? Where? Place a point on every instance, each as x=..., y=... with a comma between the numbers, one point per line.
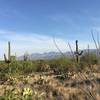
x=50, y=55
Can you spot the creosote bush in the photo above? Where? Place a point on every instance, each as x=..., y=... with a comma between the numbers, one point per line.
x=61, y=64
x=42, y=66
x=90, y=58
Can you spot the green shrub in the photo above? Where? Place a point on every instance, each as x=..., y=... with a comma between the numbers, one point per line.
x=90, y=58
x=18, y=67
x=42, y=66
x=61, y=64
x=29, y=67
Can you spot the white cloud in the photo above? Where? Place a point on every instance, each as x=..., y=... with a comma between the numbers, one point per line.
x=34, y=43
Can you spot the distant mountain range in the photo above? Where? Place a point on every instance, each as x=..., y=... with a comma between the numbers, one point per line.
x=50, y=55
x=47, y=55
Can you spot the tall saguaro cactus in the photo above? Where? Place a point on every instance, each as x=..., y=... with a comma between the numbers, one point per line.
x=9, y=51
x=77, y=53
x=8, y=60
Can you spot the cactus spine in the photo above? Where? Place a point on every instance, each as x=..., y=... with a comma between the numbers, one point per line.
x=77, y=53
x=9, y=54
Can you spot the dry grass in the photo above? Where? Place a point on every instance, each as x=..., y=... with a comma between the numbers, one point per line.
x=75, y=88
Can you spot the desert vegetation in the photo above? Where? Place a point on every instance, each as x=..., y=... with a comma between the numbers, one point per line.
x=62, y=78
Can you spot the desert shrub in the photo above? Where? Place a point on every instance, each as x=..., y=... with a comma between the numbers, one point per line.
x=3, y=77
x=3, y=67
x=29, y=67
x=90, y=58
x=61, y=64
x=42, y=66
x=19, y=67
x=24, y=66
x=58, y=65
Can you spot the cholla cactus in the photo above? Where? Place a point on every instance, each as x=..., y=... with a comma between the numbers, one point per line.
x=77, y=53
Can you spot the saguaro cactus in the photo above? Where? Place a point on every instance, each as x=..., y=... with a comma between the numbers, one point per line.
x=26, y=56
x=9, y=54
x=77, y=53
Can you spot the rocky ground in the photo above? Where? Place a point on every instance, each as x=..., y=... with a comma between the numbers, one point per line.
x=47, y=86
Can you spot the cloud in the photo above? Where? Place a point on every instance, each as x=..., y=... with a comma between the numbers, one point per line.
x=34, y=43
x=30, y=42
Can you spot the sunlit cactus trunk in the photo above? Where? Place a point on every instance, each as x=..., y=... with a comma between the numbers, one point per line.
x=77, y=56
x=9, y=51
x=9, y=54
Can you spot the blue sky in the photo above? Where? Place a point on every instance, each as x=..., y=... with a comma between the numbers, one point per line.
x=31, y=24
